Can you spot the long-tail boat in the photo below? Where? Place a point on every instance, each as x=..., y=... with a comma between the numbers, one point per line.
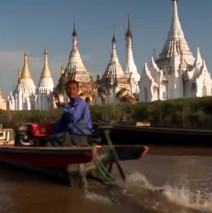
x=65, y=162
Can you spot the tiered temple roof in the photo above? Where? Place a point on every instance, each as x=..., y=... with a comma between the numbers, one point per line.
x=76, y=70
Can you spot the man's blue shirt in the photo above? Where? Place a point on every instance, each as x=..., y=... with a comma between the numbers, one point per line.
x=76, y=119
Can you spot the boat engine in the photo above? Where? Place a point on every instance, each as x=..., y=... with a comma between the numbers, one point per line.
x=32, y=134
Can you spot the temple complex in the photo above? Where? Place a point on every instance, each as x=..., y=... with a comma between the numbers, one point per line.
x=176, y=73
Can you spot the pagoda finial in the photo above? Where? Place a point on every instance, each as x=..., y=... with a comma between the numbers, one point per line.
x=74, y=31
x=175, y=30
x=25, y=73
x=113, y=39
x=46, y=51
x=129, y=31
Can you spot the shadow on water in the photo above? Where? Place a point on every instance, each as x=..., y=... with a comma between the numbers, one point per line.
x=25, y=175
x=22, y=191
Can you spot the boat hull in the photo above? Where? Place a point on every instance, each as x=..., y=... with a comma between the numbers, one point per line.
x=62, y=163
x=135, y=135
x=45, y=157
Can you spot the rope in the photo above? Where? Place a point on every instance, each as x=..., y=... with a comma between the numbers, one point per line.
x=99, y=169
x=105, y=169
x=102, y=170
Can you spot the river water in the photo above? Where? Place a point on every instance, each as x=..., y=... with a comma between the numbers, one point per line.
x=163, y=181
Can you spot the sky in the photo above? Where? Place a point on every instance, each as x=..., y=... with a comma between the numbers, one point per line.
x=33, y=25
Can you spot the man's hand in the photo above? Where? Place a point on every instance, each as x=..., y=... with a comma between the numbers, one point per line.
x=59, y=104
x=57, y=99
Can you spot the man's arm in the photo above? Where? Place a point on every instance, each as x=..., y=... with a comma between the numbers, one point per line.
x=87, y=118
x=61, y=124
x=78, y=111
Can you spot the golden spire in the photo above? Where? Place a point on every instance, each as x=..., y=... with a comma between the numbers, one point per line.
x=25, y=73
x=46, y=72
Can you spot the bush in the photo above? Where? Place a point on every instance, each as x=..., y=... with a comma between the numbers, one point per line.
x=178, y=113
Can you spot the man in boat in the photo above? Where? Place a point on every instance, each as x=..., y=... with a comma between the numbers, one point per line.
x=75, y=124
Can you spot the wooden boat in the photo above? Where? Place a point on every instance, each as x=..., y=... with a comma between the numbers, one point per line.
x=123, y=134
x=30, y=152
x=63, y=162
